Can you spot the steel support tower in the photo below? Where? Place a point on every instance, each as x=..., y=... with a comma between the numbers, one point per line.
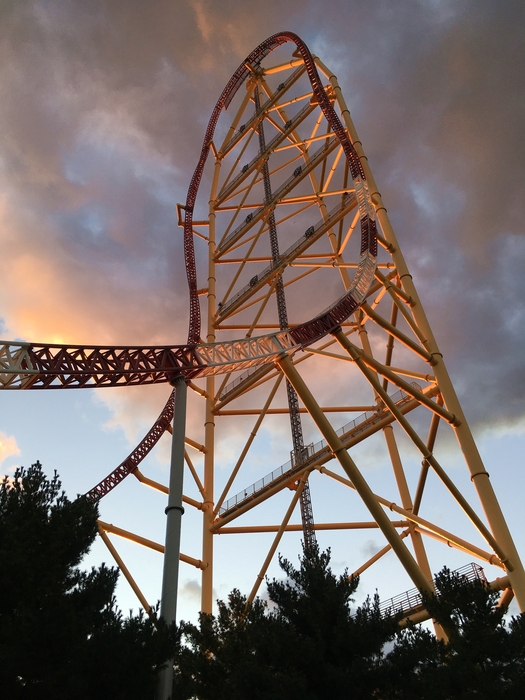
x=308, y=316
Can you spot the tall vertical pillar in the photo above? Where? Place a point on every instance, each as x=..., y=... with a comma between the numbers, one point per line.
x=174, y=512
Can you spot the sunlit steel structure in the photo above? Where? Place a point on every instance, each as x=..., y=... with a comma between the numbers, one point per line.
x=306, y=293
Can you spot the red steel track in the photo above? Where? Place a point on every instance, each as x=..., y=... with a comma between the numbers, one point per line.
x=77, y=367
x=132, y=461
x=56, y=366
x=315, y=329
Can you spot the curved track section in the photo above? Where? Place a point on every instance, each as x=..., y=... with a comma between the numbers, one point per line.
x=132, y=461
x=31, y=366
x=311, y=331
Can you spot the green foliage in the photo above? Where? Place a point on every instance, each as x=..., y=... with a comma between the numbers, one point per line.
x=334, y=648
x=61, y=635
x=484, y=658
x=234, y=655
x=308, y=643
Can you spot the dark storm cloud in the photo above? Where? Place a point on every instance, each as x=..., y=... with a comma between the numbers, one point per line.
x=439, y=107
x=102, y=110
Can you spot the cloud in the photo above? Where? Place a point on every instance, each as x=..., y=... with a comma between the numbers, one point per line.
x=8, y=446
x=191, y=591
x=103, y=110
x=369, y=548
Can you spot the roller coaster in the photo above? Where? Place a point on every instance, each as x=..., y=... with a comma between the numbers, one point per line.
x=336, y=316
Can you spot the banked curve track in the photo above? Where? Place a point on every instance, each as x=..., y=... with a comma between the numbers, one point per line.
x=49, y=366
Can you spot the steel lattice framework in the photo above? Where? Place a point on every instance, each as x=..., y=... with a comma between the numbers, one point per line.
x=303, y=263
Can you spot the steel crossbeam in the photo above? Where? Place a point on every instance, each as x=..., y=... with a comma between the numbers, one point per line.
x=245, y=128
x=263, y=212
x=276, y=267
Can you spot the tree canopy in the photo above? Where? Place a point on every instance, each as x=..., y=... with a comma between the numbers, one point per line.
x=308, y=642
x=484, y=657
x=61, y=634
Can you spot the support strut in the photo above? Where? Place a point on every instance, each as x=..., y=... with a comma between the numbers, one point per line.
x=174, y=511
x=307, y=516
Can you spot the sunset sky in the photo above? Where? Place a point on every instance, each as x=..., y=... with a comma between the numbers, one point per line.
x=103, y=107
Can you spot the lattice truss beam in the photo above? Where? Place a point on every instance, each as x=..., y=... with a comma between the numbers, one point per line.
x=366, y=372
x=32, y=366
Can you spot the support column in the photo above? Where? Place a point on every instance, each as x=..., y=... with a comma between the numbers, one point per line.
x=478, y=473
x=209, y=420
x=174, y=511
x=208, y=504
x=355, y=476
x=406, y=501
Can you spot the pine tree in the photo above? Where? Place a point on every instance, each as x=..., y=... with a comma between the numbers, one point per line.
x=337, y=650
x=308, y=645
x=483, y=658
x=61, y=635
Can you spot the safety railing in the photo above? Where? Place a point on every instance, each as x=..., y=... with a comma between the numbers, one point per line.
x=409, y=601
x=313, y=453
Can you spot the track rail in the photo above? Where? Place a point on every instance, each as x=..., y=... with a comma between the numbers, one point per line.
x=58, y=366
x=50, y=366
x=32, y=366
x=311, y=331
x=132, y=461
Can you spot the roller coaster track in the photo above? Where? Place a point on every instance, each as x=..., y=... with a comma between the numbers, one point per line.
x=315, y=329
x=49, y=366
x=31, y=366
x=58, y=366
x=235, y=197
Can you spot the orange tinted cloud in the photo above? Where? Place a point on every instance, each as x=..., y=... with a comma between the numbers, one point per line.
x=102, y=110
x=8, y=446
